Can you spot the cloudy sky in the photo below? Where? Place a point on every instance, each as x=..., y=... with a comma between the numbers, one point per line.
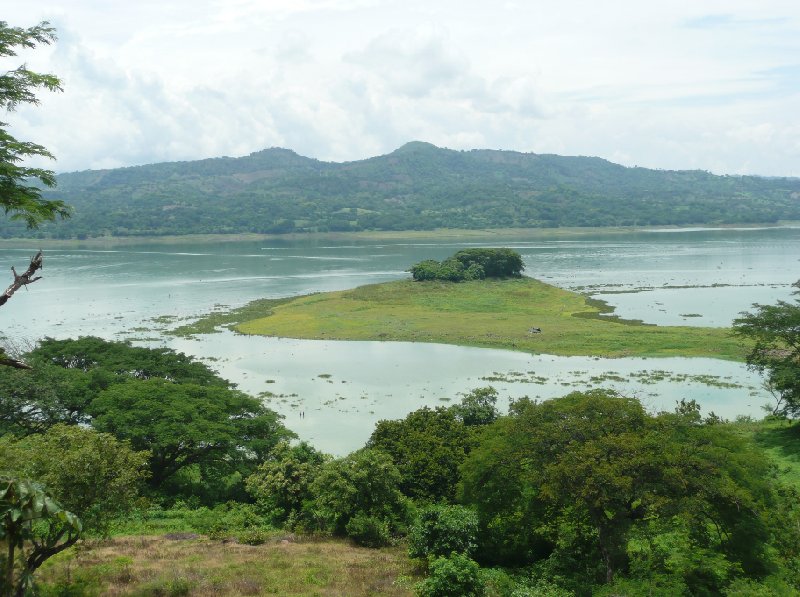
x=671, y=84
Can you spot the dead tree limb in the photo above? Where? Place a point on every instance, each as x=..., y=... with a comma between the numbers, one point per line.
x=23, y=279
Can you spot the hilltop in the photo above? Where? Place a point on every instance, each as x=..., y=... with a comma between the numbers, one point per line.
x=416, y=187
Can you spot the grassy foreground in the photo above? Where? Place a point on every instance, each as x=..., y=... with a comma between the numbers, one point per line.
x=150, y=565
x=486, y=313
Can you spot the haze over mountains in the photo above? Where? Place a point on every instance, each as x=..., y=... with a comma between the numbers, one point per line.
x=417, y=187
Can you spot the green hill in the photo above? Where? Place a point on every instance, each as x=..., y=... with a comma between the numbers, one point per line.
x=417, y=187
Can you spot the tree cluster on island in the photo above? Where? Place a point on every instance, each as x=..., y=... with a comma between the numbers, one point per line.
x=470, y=264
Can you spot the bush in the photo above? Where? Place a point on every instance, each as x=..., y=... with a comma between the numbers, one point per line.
x=442, y=531
x=365, y=482
x=368, y=531
x=254, y=536
x=456, y=576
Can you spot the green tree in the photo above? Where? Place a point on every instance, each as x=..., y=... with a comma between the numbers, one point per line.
x=775, y=330
x=365, y=482
x=572, y=480
x=441, y=530
x=427, y=447
x=89, y=353
x=477, y=407
x=33, y=527
x=91, y=474
x=281, y=483
x=32, y=400
x=19, y=86
x=184, y=424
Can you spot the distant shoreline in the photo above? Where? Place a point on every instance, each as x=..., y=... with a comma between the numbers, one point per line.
x=439, y=233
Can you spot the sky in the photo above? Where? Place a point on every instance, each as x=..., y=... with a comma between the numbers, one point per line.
x=670, y=84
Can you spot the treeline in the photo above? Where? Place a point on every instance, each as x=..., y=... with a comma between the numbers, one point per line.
x=417, y=187
x=586, y=494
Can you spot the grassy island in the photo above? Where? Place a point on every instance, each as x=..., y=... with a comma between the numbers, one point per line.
x=487, y=313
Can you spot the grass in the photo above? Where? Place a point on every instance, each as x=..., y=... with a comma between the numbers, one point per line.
x=149, y=565
x=487, y=313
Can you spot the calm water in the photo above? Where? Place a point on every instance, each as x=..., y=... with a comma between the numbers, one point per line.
x=691, y=277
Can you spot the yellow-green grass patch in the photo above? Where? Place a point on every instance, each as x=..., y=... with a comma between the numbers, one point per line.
x=486, y=313
x=146, y=565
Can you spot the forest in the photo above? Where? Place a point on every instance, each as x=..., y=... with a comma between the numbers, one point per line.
x=416, y=187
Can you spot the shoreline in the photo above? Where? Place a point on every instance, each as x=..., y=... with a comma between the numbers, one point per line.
x=454, y=233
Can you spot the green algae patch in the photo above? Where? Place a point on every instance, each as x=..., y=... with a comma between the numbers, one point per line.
x=502, y=314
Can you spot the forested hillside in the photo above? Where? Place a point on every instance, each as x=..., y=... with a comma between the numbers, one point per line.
x=417, y=187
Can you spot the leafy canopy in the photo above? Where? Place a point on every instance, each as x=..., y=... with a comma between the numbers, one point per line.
x=471, y=264
x=19, y=86
x=776, y=352
x=583, y=482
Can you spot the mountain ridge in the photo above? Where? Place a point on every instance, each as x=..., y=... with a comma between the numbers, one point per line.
x=418, y=186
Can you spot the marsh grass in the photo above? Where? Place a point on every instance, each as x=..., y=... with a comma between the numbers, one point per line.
x=486, y=313
x=149, y=565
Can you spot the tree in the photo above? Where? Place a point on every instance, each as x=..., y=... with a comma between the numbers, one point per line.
x=18, y=86
x=34, y=527
x=185, y=424
x=572, y=481
x=33, y=400
x=281, y=484
x=427, y=447
x=775, y=330
x=89, y=353
x=91, y=474
x=365, y=483
x=477, y=407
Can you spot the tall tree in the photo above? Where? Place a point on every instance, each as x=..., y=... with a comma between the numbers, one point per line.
x=20, y=193
x=18, y=86
x=775, y=329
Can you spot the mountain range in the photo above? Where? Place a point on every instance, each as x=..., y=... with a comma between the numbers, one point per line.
x=416, y=187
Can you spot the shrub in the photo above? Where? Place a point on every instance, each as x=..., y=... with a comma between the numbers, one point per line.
x=456, y=576
x=369, y=531
x=442, y=531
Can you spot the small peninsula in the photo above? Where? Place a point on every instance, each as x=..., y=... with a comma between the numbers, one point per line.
x=490, y=313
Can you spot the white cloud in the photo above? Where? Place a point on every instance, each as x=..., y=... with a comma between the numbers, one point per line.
x=708, y=85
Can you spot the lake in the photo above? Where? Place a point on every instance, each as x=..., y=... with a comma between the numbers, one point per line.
x=669, y=277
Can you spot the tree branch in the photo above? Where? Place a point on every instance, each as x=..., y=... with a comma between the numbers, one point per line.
x=20, y=280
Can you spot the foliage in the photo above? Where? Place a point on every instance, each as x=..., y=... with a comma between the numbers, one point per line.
x=442, y=530
x=776, y=353
x=369, y=531
x=470, y=264
x=594, y=486
x=477, y=407
x=281, y=483
x=427, y=447
x=417, y=187
x=18, y=86
x=32, y=400
x=184, y=424
x=91, y=474
x=90, y=353
x=495, y=263
x=452, y=576
x=365, y=482
x=33, y=527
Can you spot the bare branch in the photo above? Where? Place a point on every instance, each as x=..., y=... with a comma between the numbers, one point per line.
x=23, y=279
